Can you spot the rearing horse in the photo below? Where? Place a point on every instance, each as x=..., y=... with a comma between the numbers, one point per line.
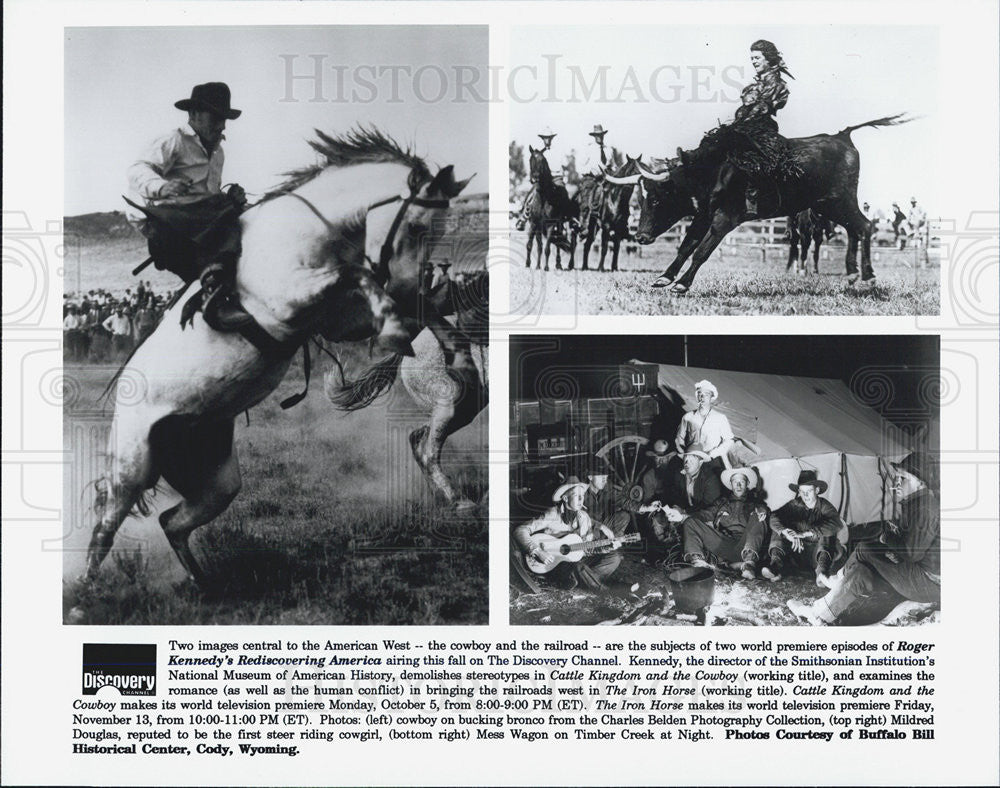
x=338, y=250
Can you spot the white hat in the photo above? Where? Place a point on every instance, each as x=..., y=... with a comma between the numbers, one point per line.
x=728, y=474
x=562, y=489
x=707, y=385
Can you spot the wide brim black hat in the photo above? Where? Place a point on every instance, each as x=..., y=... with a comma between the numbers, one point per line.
x=214, y=97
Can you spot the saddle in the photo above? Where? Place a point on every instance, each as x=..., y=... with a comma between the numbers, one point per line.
x=200, y=240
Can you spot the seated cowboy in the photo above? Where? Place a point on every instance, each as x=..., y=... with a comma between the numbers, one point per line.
x=566, y=516
x=192, y=226
x=600, y=500
x=804, y=531
x=906, y=557
x=693, y=488
x=734, y=529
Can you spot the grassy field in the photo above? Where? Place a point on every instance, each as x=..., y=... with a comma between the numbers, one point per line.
x=335, y=523
x=734, y=281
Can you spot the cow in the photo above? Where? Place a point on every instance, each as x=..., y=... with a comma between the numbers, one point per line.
x=715, y=197
x=804, y=228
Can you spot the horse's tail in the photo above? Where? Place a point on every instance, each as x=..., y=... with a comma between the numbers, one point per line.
x=362, y=392
x=888, y=120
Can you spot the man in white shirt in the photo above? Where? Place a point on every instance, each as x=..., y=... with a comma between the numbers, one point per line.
x=178, y=204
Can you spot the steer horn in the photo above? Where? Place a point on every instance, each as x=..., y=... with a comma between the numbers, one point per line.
x=657, y=177
x=626, y=180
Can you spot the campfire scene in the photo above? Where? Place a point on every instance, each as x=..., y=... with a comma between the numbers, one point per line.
x=724, y=480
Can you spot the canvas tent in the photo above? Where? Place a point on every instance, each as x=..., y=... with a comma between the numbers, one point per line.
x=802, y=423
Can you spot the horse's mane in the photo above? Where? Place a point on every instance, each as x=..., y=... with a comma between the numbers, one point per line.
x=363, y=144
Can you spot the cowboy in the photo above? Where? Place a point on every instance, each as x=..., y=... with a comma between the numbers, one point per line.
x=906, y=557
x=569, y=516
x=706, y=426
x=599, y=499
x=804, y=530
x=734, y=529
x=193, y=226
x=695, y=487
x=591, y=166
x=546, y=137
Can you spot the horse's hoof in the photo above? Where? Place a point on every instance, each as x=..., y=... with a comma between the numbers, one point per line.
x=678, y=288
x=662, y=281
x=852, y=280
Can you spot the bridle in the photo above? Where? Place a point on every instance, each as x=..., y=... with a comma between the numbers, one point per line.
x=380, y=269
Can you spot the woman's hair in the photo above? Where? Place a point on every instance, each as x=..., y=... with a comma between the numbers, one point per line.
x=770, y=53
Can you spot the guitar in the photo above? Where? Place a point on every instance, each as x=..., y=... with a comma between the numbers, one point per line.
x=570, y=547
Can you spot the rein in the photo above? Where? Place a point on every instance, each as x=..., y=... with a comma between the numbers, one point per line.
x=380, y=272
x=381, y=268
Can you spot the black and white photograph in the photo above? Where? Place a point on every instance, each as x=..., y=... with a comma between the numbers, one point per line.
x=724, y=169
x=725, y=480
x=275, y=325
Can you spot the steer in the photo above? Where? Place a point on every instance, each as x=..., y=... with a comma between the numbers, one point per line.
x=714, y=197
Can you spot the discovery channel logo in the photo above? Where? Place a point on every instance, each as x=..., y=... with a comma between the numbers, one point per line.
x=129, y=667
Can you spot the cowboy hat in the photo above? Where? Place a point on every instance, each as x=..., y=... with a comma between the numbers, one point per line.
x=920, y=464
x=660, y=450
x=212, y=96
x=595, y=466
x=698, y=451
x=749, y=473
x=571, y=483
x=809, y=477
x=707, y=385
x=547, y=133
x=599, y=131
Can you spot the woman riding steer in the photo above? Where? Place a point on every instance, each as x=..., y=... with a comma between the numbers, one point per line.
x=751, y=142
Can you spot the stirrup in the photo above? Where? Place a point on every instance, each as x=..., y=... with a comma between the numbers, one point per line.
x=222, y=313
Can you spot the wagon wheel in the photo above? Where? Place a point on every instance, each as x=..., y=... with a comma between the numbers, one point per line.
x=625, y=461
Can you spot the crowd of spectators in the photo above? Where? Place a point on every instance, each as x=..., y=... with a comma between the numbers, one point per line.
x=100, y=326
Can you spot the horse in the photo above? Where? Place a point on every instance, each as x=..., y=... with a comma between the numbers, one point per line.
x=449, y=376
x=612, y=217
x=715, y=197
x=549, y=210
x=804, y=228
x=336, y=249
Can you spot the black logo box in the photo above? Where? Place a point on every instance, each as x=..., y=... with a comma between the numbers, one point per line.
x=130, y=667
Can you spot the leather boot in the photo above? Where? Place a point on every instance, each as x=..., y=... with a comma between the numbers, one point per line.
x=220, y=306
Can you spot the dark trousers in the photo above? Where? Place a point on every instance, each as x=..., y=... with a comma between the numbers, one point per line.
x=592, y=571
x=868, y=568
x=183, y=239
x=816, y=555
x=701, y=538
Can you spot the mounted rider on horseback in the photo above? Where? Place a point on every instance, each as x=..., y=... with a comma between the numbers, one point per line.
x=191, y=224
x=751, y=143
